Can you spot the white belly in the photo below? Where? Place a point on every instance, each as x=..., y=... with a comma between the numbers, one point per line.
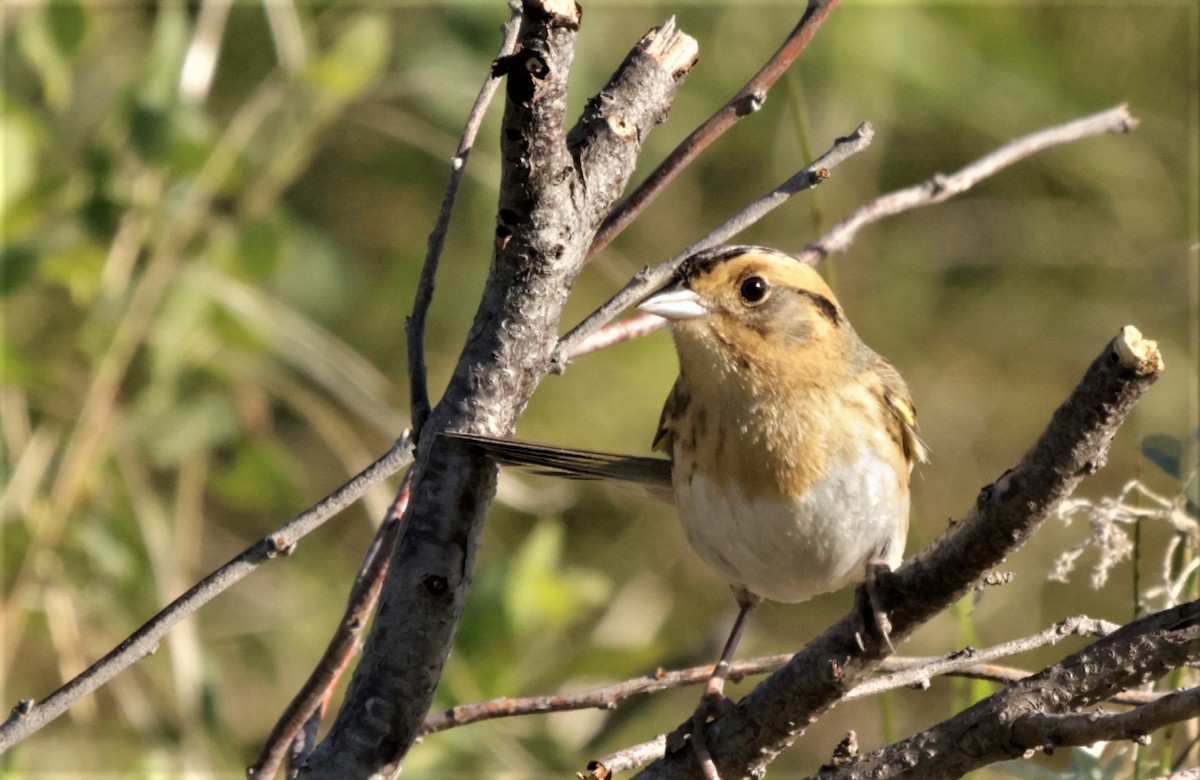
x=796, y=550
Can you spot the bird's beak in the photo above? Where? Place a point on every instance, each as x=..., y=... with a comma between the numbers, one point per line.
x=674, y=303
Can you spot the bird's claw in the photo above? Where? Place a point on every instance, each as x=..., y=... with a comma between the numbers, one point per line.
x=872, y=607
x=713, y=705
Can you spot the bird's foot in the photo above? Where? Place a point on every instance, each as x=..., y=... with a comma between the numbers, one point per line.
x=871, y=606
x=713, y=704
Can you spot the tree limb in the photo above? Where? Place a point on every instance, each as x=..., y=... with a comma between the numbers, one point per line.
x=415, y=324
x=1080, y=729
x=1026, y=714
x=555, y=189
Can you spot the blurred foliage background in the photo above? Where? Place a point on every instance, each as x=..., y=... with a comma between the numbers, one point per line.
x=213, y=220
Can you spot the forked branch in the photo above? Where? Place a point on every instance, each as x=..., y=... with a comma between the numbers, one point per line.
x=748, y=100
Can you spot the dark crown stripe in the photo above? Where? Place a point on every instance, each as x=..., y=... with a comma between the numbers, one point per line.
x=703, y=261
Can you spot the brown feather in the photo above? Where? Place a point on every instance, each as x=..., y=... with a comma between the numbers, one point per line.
x=651, y=473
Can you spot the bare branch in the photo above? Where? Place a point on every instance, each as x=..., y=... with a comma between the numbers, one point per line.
x=555, y=189
x=748, y=100
x=918, y=671
x=1077, y=729
x=940, y=187
x=907, y=672
x=27, y=717
x=314, y=694
x=625, y=759
x=628, y=329
x=650, y=279
x=415, y=324
x=1007, y=724
x=605, y=698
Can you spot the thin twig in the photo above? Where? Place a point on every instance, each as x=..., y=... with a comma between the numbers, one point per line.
x=28, y=716
x=579, y=341
x=341, y=649
x=940, y=187
x=905, y=672
x=748, y=100
x=628, y=329
x=415, y=324
x=605, y=698
x=918, y=671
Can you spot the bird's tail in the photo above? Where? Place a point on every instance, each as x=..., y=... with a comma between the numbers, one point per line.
x=654, y=474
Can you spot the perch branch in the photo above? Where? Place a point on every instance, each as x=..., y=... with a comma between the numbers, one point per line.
x=748, y=100
x=1028, y=714
x=28, y=716
x=415, y=324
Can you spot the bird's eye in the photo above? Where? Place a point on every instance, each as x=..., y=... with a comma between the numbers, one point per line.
x=754, y=289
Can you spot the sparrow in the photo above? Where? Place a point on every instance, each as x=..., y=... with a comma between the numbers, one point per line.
x=789, y=442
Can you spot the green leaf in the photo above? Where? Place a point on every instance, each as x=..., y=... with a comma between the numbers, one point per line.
x=78, y=268
x=542, y=594
x=190, y=425
x=37, y=44
x=67, y=23
x=260, y=253
x=150, y=131
x=20, y=147
x=355, y=59
x=172, y=34
x=17, y=262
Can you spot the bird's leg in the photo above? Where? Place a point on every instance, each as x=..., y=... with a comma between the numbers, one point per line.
x=878, y=618
x=714, y=701
x=713, y=704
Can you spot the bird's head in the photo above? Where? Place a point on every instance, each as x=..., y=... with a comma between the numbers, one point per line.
x=745, y=308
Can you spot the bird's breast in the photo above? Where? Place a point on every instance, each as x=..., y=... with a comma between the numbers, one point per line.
x=789, y=496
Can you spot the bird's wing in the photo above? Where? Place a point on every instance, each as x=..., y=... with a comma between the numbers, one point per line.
x=677, y=401
x=902, y=413
x=652, y=473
